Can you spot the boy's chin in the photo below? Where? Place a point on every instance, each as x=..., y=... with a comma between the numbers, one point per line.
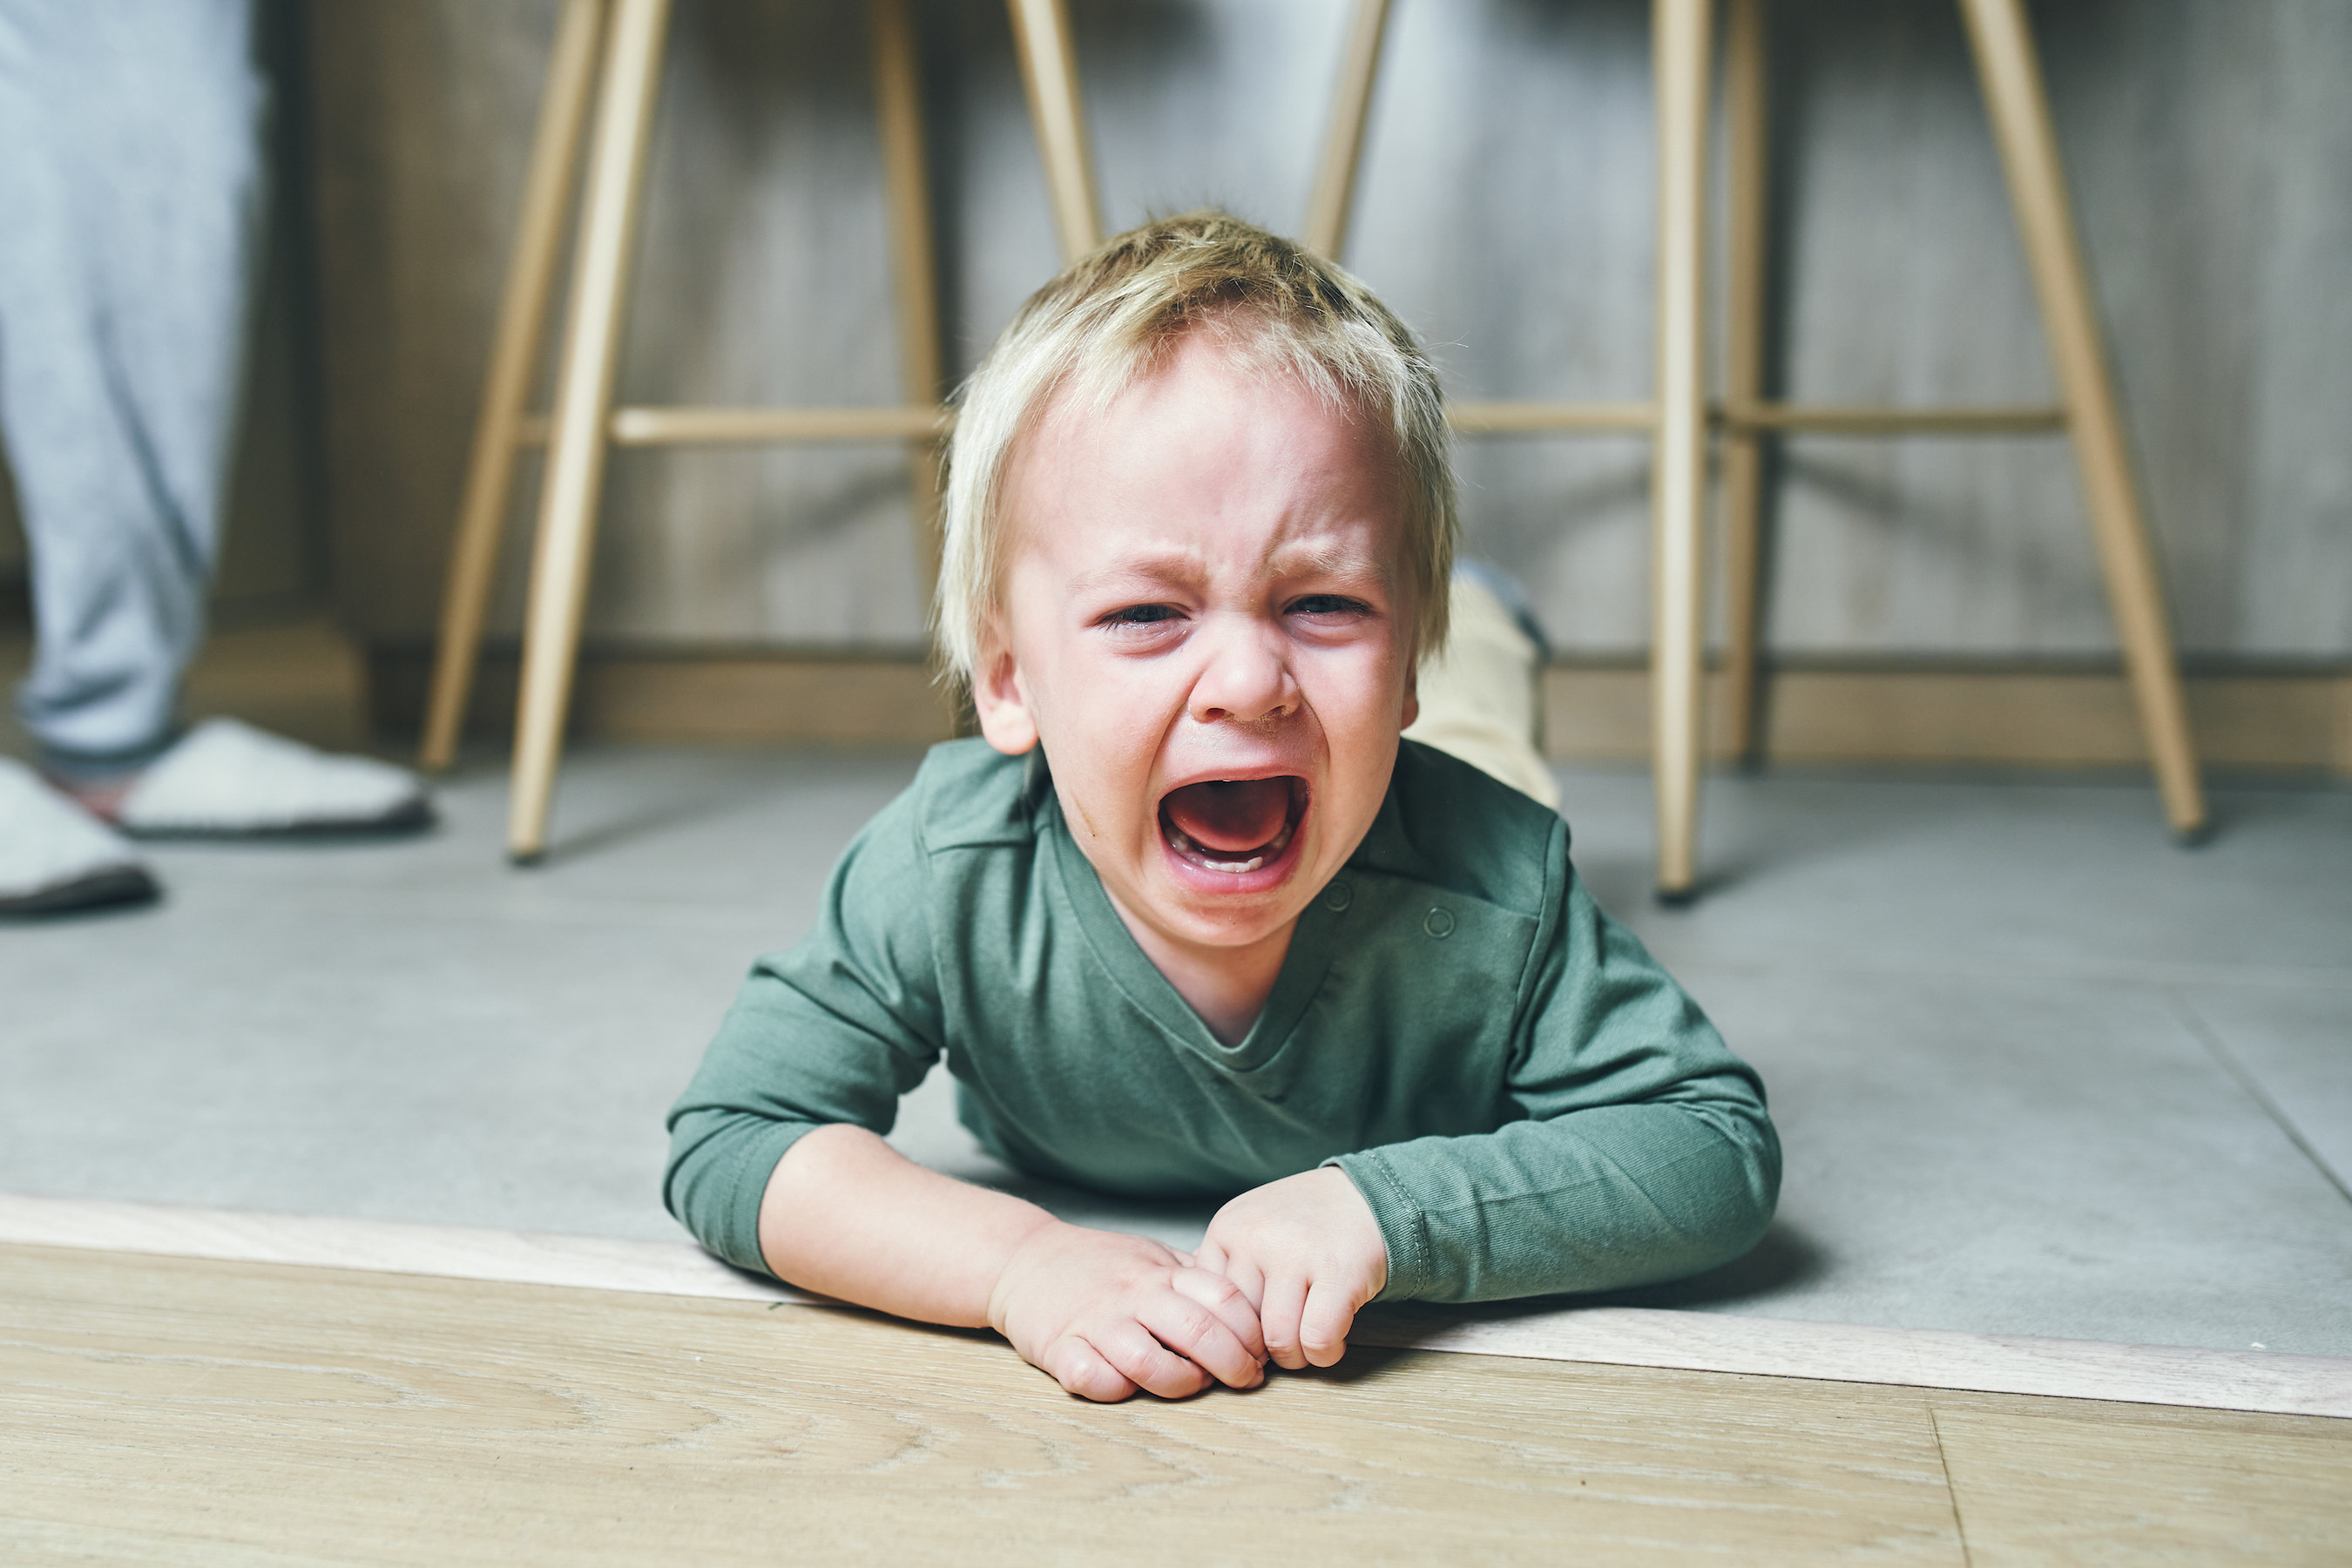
x=1236, y=924
x=1234, y=911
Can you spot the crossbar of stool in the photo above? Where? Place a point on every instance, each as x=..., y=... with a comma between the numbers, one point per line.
x=1834, y=419
x=1542, y=418
x=679, y=426
x=684, y=426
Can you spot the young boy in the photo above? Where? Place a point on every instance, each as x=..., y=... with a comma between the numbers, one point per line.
x=1190, y=919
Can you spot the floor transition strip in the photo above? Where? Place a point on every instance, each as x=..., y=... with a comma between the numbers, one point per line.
x=1624, y=1336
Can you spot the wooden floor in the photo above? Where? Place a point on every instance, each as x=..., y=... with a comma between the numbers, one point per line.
x=194, y=1411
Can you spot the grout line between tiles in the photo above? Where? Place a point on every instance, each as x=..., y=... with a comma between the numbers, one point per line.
x=1624, y=1336
x=2220, y=1052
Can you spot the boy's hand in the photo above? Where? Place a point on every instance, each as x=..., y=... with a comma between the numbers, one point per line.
x=1107, y=1314
x=1307, y=1253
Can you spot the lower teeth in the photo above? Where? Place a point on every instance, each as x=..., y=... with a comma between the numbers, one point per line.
x=1182, y=842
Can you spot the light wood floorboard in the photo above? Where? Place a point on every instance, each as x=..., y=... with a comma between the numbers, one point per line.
x=2156, y=1489
x=191, y=1410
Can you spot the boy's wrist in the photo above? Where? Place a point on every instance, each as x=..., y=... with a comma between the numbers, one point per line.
x=1405, y=1266
x=1015, y=1255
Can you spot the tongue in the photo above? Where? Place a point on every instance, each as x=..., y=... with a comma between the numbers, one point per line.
x=1229, y=814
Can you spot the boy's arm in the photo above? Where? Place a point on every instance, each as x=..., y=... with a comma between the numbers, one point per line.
x=777, y=1161
x=1646, y=1154
x=1104, y=1314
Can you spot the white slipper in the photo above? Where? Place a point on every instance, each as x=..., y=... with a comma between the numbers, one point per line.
x=55, y=857
x=229, y=780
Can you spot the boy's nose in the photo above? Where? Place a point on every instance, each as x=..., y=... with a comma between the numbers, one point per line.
x=1246, y=679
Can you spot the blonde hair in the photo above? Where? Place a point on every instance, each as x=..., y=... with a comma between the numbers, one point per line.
x=1115, y=316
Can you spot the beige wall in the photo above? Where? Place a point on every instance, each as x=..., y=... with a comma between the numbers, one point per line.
x=1506, y=212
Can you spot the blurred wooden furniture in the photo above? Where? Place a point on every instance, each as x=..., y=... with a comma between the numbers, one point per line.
x=1681, y=417
x=1049, y=74
x=614, y=48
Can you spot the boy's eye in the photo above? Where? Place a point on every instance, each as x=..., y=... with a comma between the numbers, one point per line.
x=1141, y=616
x=1326, y=605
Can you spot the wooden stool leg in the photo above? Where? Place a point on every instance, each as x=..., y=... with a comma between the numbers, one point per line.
x=1679, y=485
x=522, y=310
x=1326, y=233
x=1049, y=69
x=575, y=453
x=898, y=98
x=1743, y=368
x=2020, y=108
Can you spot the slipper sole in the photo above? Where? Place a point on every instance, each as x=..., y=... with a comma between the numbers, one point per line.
x=410, y=817
x=114, y=886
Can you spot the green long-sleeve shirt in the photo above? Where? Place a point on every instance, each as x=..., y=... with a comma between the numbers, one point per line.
x=1526, y=1099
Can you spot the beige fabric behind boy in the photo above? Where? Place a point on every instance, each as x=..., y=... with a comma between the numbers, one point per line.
x=1479, y=695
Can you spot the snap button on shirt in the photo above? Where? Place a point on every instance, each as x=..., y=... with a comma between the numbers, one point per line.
x=1438, y=923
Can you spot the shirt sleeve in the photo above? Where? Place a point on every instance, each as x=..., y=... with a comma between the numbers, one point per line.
x=1644, y=1153
x=834, y=1030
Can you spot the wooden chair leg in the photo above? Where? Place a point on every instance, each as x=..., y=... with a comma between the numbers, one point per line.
x=522, y=313
x=1679, y=485
x=1049, y=70
x=898, y=97
x=1328, y=208
x=576, y=441
x=1743, y=367
x=2014, y=97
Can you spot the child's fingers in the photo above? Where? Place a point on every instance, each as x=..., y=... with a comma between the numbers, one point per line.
x=1074, y=1364
x=1204, y=1338
x=1224, y=1298
x=1135, y=1355
x=1323, y=1325
x=1278, y=1313
x=1246, y=1276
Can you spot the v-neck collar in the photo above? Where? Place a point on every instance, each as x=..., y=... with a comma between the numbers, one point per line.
x=1304, y=965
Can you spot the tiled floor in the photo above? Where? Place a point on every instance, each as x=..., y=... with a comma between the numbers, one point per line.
x=2036, y=1070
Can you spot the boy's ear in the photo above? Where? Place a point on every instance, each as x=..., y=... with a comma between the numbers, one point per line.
x=1411, y=696
x=999, y=701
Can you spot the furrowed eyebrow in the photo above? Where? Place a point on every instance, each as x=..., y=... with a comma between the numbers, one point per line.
x=1330, y=561
x=1159, y=566
x=1184, y=567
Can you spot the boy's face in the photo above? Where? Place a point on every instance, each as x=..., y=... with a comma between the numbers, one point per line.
x=1205, y=623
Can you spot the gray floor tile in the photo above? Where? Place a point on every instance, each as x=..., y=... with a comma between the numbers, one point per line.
x=2013, y=877
x=2024, y=1156
x=459, y=1072
x=411, y=1029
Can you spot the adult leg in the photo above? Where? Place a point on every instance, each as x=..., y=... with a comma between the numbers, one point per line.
x=132, y=176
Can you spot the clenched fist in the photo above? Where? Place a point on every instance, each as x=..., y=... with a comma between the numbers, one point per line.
x=1306, y=1253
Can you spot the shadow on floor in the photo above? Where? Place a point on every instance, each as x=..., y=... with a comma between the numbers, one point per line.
x=1786, y=1259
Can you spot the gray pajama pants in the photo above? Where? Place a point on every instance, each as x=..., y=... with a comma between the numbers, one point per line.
x=131, y=180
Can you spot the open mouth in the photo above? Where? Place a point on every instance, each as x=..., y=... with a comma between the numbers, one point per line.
x=1233, y=825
